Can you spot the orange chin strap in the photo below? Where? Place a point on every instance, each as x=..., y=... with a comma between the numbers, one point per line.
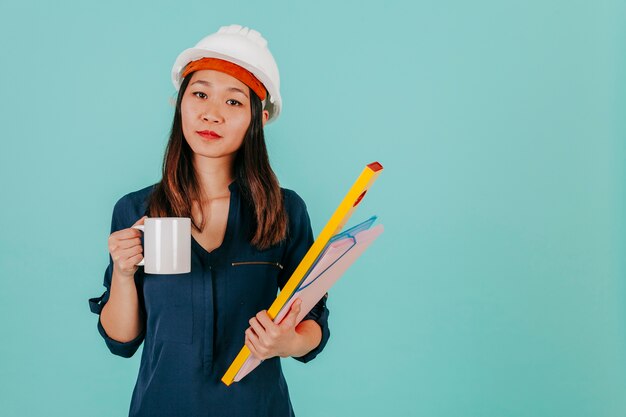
x=229, y=68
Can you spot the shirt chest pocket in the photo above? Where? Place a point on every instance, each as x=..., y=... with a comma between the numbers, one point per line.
x=251, y=280
x=169, y=307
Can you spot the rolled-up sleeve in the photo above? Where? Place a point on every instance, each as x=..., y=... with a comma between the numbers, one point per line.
x=300, y=238
x=123, y=349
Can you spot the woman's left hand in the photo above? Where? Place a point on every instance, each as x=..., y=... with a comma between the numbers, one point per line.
x=265, y=339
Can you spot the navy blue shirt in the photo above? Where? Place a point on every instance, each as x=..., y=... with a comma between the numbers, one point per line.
x=194, y=323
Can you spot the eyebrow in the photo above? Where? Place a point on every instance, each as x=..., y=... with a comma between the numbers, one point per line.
x=229, y=88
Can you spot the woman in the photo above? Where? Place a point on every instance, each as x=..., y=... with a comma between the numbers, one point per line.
x=248, y=236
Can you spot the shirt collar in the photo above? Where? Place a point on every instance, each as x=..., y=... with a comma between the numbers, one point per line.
x=233, y=185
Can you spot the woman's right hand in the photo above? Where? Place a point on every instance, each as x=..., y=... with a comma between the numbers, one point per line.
x=126, y=250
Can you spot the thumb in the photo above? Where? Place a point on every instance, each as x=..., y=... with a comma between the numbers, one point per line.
x=140, y=221
x=295, y=310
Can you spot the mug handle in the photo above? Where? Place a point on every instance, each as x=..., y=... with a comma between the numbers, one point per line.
x=139, y=227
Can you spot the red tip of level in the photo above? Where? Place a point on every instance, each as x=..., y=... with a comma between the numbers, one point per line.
x=375, y=166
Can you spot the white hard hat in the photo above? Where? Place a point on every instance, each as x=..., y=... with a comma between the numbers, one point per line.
x=242, y=46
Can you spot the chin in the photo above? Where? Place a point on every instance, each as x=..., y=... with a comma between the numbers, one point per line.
x=215, y=153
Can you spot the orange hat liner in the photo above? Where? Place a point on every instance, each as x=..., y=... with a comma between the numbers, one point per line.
x=229, y=68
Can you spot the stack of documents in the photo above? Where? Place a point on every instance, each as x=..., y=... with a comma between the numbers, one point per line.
x=342, y=250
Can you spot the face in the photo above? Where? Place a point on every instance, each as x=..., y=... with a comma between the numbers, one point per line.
x=213, y=104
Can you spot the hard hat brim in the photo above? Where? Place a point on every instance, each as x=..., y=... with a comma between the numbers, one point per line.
x=273, y=102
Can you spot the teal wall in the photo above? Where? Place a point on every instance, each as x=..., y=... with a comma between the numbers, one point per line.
x=497, y=289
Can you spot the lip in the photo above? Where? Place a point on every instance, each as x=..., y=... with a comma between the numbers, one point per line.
x=209, y=134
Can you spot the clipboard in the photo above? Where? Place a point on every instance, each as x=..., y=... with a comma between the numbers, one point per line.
x=339, y=218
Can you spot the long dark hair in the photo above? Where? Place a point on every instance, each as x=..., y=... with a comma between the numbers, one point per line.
x=179, y=188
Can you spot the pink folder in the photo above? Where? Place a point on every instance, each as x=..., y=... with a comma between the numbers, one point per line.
x=332, y=263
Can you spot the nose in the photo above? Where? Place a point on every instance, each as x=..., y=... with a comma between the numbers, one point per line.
x=211, y=113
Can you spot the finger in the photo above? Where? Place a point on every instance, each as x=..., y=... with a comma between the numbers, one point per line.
x=125, y=234
x=134, y=260
x=272, y=331
x=265, y=320
x=249, y=344
x=253, y=343
x=259, y=330
x=252, y=349
x=131, y=263
x=124, y=254
x=124, y=243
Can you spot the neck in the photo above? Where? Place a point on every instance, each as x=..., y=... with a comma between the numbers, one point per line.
x=214, y=175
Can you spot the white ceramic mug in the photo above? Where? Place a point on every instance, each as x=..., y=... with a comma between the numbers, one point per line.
x=166, y=245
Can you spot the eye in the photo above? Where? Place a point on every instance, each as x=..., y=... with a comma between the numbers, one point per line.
x=199, y=92
x=235, y=101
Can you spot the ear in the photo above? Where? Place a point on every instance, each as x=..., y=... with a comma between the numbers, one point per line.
x=266, y=115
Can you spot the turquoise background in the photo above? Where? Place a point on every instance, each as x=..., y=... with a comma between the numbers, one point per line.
x=497, y=288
